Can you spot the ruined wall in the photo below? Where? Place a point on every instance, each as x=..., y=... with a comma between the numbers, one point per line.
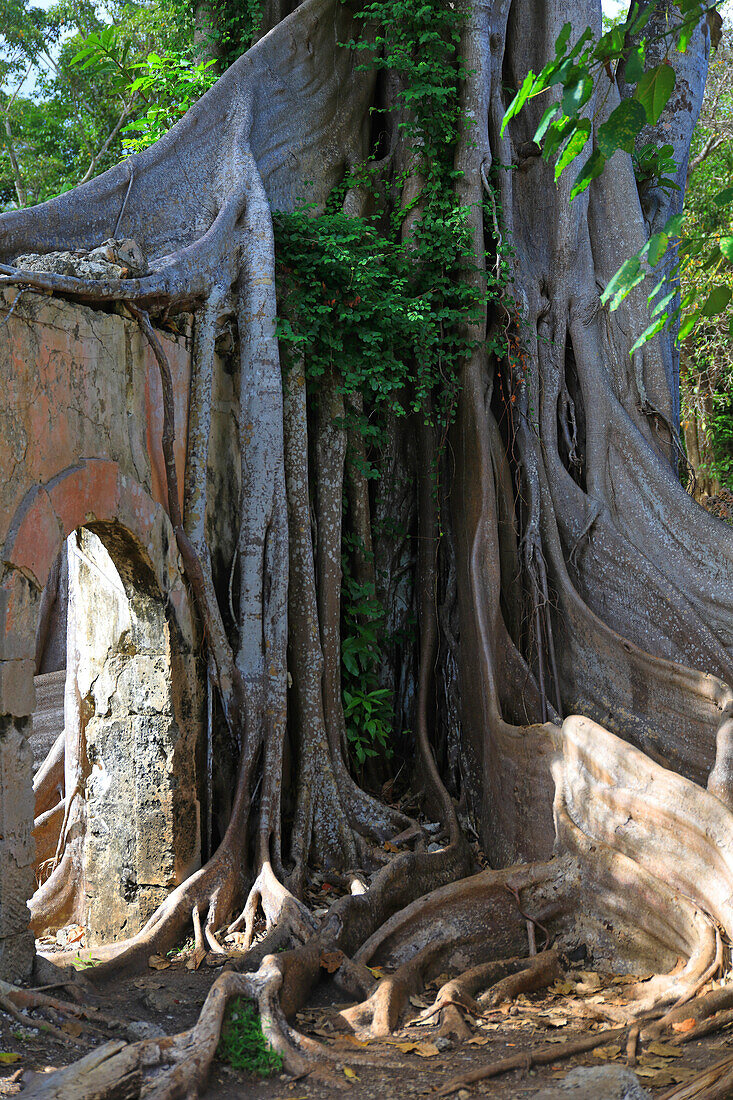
x=80, y=427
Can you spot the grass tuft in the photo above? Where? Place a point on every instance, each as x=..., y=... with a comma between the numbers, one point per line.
x=242, y=1044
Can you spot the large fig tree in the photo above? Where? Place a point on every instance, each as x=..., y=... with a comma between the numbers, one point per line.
x=570, y=674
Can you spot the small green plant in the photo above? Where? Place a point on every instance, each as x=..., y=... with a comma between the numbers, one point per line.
x=80, y=963
x=169, y=86
x=184, y=948
x=242, y=1044
x=368, y=707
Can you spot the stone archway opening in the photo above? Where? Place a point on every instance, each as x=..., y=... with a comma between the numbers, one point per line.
x=114, y=741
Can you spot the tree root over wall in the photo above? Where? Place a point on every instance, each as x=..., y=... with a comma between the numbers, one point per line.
x=585, y=580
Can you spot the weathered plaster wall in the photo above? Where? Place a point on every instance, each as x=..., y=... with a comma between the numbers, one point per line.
x=80, y=424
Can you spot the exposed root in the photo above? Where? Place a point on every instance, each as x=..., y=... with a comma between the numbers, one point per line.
x=632, y=1042
x=46, y=833
x=542, y=970
x=378, y=1015
x=456, y=998
x=542, y=1057
x=48, y=783
x=279, y=908
x=8, y=1005
x=713, y=1083
x=699, y=1009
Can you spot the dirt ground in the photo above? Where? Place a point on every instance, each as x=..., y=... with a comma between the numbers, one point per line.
x=414, y=1063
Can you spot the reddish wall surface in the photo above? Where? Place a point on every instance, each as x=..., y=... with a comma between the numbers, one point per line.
x=80, y=424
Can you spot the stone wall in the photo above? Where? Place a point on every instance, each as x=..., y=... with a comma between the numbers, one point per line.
x=80, y=427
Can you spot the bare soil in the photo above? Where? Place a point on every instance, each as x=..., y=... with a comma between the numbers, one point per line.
x=171, y=999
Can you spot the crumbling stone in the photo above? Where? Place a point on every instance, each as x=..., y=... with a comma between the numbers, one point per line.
x=113, y=259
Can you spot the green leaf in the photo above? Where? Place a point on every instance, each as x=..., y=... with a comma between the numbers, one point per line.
x=556, y=135
x=626, y=278
x=622, y=128
x=577, y=93
x=688, y=325
x=651, y=330
x=663, y=303
x=673, y=227
x=546, y=120
x=562, y=39
x=654, y=89
x=724, y=197
x=573, y=146
x=636, y=60
x=640, y=17
x=592, y=168
x=716, y=301
x=519, y=100
x=657, y=247
x=726, y=247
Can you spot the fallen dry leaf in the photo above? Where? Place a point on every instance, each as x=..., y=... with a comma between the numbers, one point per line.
x=343, y=1042
x=660, y=1078
x=377, y=971
x=331, y=960
x=610, y=1051
x=685, y=1025
x=666, y=1050
x=72, y=1028
x=419, y=1002
x=589, y=981
x=478, y=1041
x=157, y=962
x=350, y=1073
x=651, y=1061
x=426, y=1050
x=7, y=1059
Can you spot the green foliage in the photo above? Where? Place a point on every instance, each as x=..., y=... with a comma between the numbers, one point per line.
x=346, y=304
x=564, y=132
x=242, y=1044
x=233, y=25
x=368, y=707
x=707, y=353
x=170, y=85
x=386, y=308
x=66, y=74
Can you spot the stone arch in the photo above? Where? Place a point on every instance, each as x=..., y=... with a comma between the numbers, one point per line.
x=94, y=495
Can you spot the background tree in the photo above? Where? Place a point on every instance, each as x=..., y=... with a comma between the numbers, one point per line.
x=706, y=355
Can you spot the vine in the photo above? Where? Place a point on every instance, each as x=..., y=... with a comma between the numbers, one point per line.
x=233, y=26
x=382, y=306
